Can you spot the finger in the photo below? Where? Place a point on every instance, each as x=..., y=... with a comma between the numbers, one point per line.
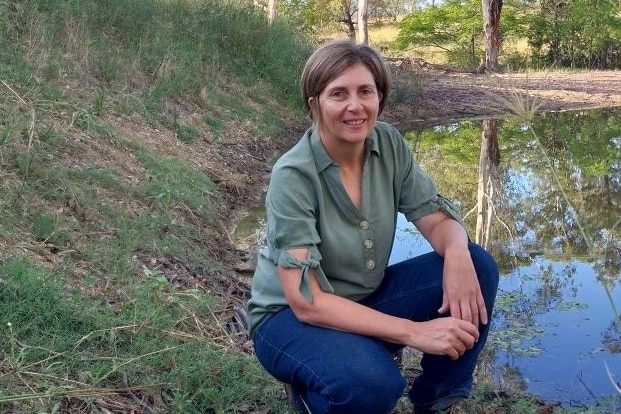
x=455, y=309
x=470, y=329
x=466, y=312
x=474, y=311
x=464, y=342
x=445, y=305
x=482, y=309
x=467, y=342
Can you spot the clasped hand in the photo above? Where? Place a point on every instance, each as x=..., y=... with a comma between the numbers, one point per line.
x=463, y=301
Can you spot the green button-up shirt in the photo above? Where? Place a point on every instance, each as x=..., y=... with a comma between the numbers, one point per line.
x=349, y=247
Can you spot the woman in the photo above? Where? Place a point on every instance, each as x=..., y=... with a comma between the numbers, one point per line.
x=327, y=313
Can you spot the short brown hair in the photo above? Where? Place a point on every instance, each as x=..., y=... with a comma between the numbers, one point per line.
x=332, y=59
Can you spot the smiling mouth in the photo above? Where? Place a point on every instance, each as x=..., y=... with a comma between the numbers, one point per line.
x=354, y=122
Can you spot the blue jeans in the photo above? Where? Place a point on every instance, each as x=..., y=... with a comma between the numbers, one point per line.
x=340, y=372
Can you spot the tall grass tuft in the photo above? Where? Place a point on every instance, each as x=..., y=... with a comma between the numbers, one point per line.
x=175, y=47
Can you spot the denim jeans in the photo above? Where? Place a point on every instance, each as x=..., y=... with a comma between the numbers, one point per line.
x=340, y=372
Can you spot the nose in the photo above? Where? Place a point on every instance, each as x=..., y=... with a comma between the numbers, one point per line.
x=354, y=104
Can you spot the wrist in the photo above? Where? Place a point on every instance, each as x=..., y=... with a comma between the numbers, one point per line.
x=411, y=334
x=457, y=249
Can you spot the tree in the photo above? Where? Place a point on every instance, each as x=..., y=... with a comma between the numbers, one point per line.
x=309, y=15
x=363, y=30
x=489, y=161
x=272, y=10
x=577, y=33
x=491, y=29
x=348, y=9
x=454, y=27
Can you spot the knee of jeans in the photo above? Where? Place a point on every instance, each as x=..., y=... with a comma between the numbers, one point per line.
x=373, y=394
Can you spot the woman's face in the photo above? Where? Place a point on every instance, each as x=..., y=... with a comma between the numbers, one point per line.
x=348, y=107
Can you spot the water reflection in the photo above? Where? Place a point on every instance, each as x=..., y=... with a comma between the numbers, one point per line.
x=545, y=198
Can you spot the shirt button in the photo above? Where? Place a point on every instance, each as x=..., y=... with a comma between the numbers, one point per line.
x=370, y=264
x=368, y=243
x=364, y=225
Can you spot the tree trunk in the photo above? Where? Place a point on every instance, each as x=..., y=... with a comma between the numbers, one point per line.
x=489, y=160
x=491, y=29
x=363, y=15
x=348, y=19
x=272, y=10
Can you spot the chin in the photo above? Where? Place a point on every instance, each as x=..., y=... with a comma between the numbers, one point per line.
x=356, y=139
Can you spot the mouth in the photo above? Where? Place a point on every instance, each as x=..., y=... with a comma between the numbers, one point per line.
x=354, y=122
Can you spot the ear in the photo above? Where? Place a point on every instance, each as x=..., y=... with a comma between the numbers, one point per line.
x=310, y=101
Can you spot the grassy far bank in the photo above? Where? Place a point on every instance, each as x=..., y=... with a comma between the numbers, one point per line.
x=130, y=132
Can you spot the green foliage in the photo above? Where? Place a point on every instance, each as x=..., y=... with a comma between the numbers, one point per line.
x=567, y=34
x=594, y=147
x=186, y=133
x=455, y=27
x=577, y=34
x=49, y=229
x=181, y=45
x=310, y=16
x=33, y=303
x=241, y=43
x=460, y=142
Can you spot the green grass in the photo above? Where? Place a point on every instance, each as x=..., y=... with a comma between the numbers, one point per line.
x=58, y=347
x=111, y=249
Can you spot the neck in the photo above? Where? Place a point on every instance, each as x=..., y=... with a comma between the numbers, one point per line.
x=347, y=156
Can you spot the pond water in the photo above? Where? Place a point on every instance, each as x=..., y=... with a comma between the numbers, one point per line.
x=553, y=222
x=550, y=213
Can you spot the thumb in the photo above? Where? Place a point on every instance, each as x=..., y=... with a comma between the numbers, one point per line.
x=445, y=305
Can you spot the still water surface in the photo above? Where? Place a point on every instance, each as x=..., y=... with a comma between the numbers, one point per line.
x=555, y=229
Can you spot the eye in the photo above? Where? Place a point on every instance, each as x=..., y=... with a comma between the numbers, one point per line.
x=338, y=95
x=367, y=93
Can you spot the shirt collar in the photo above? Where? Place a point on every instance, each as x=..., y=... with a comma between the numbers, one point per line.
x=323, y=160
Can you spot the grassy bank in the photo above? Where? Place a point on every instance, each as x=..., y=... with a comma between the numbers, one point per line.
x=128, y=128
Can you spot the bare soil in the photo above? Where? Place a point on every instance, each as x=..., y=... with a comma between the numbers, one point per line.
x=453, y=96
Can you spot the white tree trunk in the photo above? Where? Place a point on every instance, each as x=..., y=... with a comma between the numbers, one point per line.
x=272, y=10
x=363, y=15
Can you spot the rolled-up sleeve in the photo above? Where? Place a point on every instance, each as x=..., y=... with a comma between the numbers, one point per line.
x=312, y=262
x=292, y=225
x=437, y=203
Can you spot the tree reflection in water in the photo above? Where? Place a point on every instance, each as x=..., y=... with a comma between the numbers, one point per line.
x=544, y=196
